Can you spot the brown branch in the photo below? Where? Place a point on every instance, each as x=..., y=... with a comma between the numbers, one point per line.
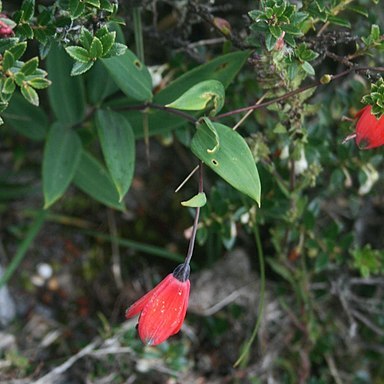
x=299, y=90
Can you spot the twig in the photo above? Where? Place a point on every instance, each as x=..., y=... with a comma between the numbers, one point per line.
x=194, y=170
x=52, y=376
x=332, y=368
x=297, y=91
x=368, y=322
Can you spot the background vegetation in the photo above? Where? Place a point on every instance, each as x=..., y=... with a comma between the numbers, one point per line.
x=91, y=156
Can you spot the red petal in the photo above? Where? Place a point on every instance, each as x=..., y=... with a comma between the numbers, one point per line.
x=163, y=315
x=369, y=130
x=138, y=305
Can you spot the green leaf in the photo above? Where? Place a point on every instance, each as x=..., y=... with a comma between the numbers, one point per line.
x=26, y=119
x=66, y=94
x=107, y=41
x=9, y=86
x=361, y=10
x=86, y=38
x=275, y=30
x=99, y=84
x=375, y=32
x=130, y=75
x=30, y=94
x=118, y=145
x=30, y=66
x=339, y=21
x=28, y=8
x=78, y=53
x=18, y=50
x=96, y=48
x=200, y=96
x=8, y=60
x=308, y=68
x=196, y=201
x=106, y=5
x=223, y=69
x=270, y=41
x=20, y=78
x=8, y=43
x=95, y=3
x=39, y=83
x=80, y=68
x=25, y=30
x=61, y=157
x=226, y=152
x=117, y=49
x=76, y=8
x=93, y=179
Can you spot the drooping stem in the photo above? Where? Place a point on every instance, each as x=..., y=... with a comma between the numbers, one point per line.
x=196, y=220
x=260, y=309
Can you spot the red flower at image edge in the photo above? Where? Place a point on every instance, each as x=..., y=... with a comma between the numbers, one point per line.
x=369, y=129
x=162, y=310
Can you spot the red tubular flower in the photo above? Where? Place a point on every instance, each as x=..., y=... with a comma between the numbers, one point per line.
x=369, y=129
x=162, y=310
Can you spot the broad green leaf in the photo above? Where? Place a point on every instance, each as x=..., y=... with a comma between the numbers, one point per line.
x=96, y=48
x=30, y=66
x=198, y=200
x=25, y=118
x=226, y=152
x=28, y=8
x=99, y=84
x=8, y=60
x=62, y=154
x=85, y=38
x=200, y=96
x=308, y=68
x=8, y=43
x=39, y=83
x=107, y=41
x=18, y=50
x=270, y=41
x=339, y=21
x=30, y=94
x=9, y=86
x=275, y=30
x=106, y=5
x=118, y=145
x=66, y=94
x=76, y=8
x=25, y=30
x=223, y=69
x=95, y=3
x=117, y=49
x=93, y=179
x=80, y=68
x=130, y=75
x=78, y=53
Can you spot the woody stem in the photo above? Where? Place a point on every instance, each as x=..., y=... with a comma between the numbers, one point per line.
x=196, y=220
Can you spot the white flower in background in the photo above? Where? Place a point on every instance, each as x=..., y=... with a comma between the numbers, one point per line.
x=156, y=72
x=372, y=177
x=301, y=165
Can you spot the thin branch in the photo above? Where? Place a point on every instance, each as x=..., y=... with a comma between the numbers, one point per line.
x=173, y=111
x=194, y=170
x=297, y=91
x=196, y=220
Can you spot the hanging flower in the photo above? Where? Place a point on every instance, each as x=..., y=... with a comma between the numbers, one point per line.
x=369, y=129
x=162, y=310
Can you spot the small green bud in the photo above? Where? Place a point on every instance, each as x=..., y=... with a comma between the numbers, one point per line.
x=326, y=79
